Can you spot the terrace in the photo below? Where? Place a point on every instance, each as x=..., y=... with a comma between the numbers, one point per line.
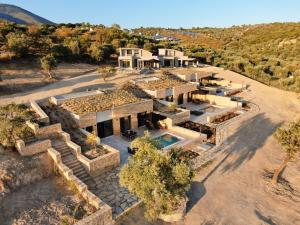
x=121, y=143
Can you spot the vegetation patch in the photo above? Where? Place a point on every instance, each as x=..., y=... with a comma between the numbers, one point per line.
x=100, y=102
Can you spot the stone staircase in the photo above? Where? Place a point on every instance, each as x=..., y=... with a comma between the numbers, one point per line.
x=70, y=160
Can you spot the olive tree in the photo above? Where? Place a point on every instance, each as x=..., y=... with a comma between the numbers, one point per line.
x=159, y=180
x=107, y=72
x=289, y=139
x=48, y=63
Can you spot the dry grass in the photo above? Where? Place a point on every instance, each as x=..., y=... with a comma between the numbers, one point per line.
x=165, y=81
x=100, y=102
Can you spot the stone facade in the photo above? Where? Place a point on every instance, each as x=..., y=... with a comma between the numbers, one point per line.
x=102, y=163
x=100, y=217
x=32, y=148
x=218, y=100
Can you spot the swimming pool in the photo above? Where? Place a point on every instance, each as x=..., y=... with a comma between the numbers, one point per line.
x=166, y=140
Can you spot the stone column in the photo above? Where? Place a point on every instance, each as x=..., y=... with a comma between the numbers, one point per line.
x=134, y=121
x=116, y=126
x=185, y=97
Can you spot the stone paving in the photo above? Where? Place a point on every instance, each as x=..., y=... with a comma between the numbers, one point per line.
x=109, y=190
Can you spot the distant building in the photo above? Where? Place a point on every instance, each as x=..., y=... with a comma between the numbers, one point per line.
x=159, y=37
x=174, y=58
x=135, y=58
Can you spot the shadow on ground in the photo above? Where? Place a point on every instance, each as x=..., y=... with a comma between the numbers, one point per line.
x=243, y=144
x=265, y=219
x=247, y=139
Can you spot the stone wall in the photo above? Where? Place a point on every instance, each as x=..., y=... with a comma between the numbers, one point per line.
x=102, y=216
x=32, y=148
x=86, y=120
x=43, y=117
x=189, y=87
x=187, y=132
x=218, y=100
x=49, y=131
x=102, y=163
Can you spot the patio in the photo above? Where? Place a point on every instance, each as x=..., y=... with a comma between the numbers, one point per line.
x=207, y=110
x=121, y=143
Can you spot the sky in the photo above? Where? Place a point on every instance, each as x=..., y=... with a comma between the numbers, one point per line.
x=164, y=13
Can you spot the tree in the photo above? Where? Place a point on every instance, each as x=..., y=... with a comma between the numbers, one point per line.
x=92, y=139
x=48, y=63
x=106, y=72
x=13, y=125
x=289, y=139
x=18, y=43
x=159, y=180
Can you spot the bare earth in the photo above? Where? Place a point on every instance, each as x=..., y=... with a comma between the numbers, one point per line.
x=234, y=190
x=26, y=75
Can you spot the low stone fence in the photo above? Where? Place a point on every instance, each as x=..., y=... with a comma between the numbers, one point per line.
x=43, y=117
x=102, y=216
x=68, y=174
x=204, y=157
x=49, y=131
x=213, y=117
x=101, y=163
x=97, y=165
x=218, y=100
x=32, y=148
x=187, y=132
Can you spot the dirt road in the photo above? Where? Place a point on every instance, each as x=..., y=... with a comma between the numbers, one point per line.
x=80, y=83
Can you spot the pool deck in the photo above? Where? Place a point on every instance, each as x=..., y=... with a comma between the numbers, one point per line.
x=120, y=143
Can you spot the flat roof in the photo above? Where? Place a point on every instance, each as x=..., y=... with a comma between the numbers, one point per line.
x=100, y=102
x=165, y=81
x=188, y=71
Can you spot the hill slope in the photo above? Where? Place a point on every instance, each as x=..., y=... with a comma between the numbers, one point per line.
x=18, y=15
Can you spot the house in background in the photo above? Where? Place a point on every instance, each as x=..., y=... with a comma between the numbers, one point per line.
x=135, y=58
x=174, y=58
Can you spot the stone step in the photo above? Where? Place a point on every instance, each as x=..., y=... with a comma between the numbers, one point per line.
x=70, y=159
x=81, y=173
x=78, y=169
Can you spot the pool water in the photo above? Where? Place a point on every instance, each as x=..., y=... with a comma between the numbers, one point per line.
x=166, y=140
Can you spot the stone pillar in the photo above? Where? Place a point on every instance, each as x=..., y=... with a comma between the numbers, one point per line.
x=175, y=99
x=185, y=97
x=134, y=121
x=116, y=126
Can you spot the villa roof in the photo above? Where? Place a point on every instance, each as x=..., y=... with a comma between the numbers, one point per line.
x=183, y=71
x=100, y=102
x=163, y=82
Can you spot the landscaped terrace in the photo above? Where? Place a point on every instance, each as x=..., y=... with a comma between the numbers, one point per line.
x=100, y=102
x=163, y=82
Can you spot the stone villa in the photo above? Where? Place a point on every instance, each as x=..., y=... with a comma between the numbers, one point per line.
x=181, y=108
x=135, y=58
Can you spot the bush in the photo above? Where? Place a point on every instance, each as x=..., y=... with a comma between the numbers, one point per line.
x=13, y=124
x=159, y=180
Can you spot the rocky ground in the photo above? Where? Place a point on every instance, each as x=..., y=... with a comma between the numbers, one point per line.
x=26, y=75
x=31, y=194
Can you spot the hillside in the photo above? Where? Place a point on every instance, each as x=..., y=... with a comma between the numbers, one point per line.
x=268, y=53
x=21, y=16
